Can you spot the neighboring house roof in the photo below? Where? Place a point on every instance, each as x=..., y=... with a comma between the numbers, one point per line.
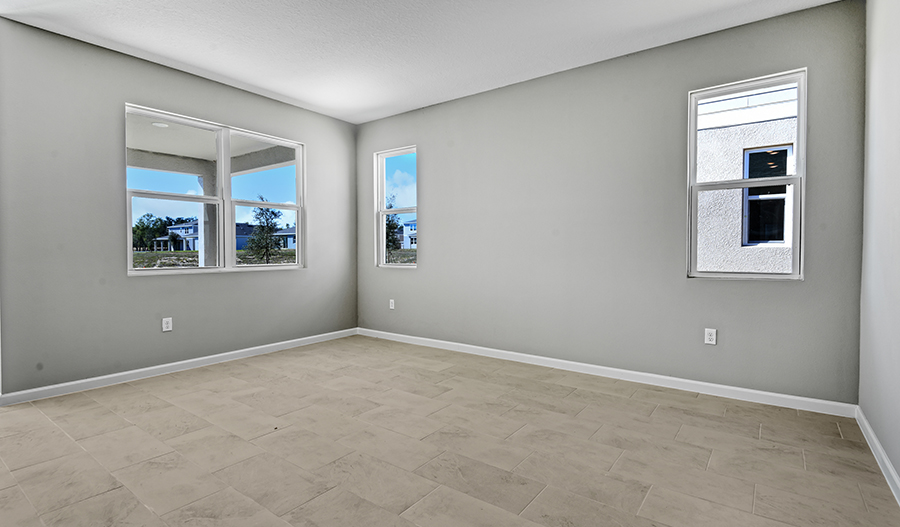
x=286, y=232
x=243, y=229
x=184, y=225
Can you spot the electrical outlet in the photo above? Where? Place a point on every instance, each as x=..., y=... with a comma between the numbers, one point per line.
x=392, y=303
x=167, y=324
x=709, y=336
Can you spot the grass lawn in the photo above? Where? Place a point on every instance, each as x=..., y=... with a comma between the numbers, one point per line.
x=169, y=259
x=402, y=256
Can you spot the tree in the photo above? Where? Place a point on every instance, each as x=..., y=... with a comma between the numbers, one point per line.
x=146, y=229
x=392, y=235
x=262, y=243
x=173, y=240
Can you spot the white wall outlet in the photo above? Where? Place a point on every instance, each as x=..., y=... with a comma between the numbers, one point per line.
x=167, y=324
x=709, y=336
x=392, y=303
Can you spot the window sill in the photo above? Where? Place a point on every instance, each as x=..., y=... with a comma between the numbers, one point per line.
x=214, y=270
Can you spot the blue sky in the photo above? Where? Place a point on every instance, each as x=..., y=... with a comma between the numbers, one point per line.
x=276, y=185
x=400, y=179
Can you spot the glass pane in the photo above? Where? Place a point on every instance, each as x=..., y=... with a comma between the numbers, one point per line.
x=720, y=237
x=171, y=233
x=401, y=238
x=265, y=236
x=400, y=181
x=165, y=156
x=728, y=126
x=767, y=163
x=264, y=170
x=765, y=220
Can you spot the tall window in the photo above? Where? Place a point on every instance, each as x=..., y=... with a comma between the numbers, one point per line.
x=746, y=176
x=203, y=196
x=396, y=226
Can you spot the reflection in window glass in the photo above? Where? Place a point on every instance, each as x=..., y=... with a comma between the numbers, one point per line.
x=262, y=168
x=265, y=235
x=400, y=181
x=170, y=233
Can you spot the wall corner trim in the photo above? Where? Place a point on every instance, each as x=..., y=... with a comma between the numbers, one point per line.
x=887, y=468
x=80, y=385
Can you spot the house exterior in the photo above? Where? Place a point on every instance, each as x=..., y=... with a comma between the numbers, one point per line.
x=288, y=237
x=189, y=237
x=410, y=235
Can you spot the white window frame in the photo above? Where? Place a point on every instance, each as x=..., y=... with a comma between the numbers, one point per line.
x=225, y=210
x=381, y=212
x=786, y=197
x=796, y=191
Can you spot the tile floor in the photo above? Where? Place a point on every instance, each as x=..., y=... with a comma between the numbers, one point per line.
x=367, y=432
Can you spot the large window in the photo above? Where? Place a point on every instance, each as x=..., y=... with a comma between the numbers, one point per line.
x=397, y=233
x=204, y=196
x=746, y=177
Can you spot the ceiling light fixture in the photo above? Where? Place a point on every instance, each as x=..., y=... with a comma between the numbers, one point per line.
x=160, y=125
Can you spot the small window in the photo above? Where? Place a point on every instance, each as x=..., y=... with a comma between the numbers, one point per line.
x=396, y=208
x=206, y=196
x=746, y=178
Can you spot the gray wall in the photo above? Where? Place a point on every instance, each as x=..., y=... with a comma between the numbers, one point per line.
x=69, y=310
x=553, y=217
x=879, y=376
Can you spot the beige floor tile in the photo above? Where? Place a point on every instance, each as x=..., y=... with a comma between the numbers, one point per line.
x=808, y=425
x=325, y=422
x=354, y=386
x=650, y=448
x=203, y=402
x=638, y=423
x=278, y=400
x=555, y=507
x=23, y=420
x=541, y=418
x=613, y=402
x=552, y=403
x=63, y=481
x=794, y=509
x=423, y=363
x=392, y=447
x=413, y=386
x=124, y=447
x=65, y=404
x=532, y=372
x=583, y=479
x=303, y=448
x=881, y=502
x=487, y=483
x=597, y=455
x=680, y=510
x=853, y=469
x=419, y=374
x=118, y=507
x=728, y=423
x=381, y=483
x=748, y=467
x=473, y=419
x=759, y=448
x=230, y=386
x=364, y=373
x=169, y=422
x=15, y=407
x=213, y=449
x=91, y=422
x=548, y=389
x=465, y=398
x=109, y=393
x=700, y=483
x=168, y=482
x=401, y=421
x=246, y=422
x=36, y=446
x=476, y=387
x=274, y=484
x=6, y=478
x=686, y=400
x=446, y=507
x=340, y=508
x=130, y=405
x=416, y=404
x=596, y=384
x=497, y=452
x=342, y=403
x=226, y=508
x=16, y=510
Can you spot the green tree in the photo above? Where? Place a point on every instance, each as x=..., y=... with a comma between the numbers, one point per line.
x=392, y=229
x=173, y=240
x=146, y=229
x=263, y=244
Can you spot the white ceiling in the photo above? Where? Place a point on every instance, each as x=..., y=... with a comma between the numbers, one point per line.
x=360, y=60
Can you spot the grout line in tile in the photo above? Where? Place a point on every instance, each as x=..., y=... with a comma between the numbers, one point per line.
x=709, y=461
x=515, y=431
x=840, y=430
x=863, y=497
x=420, y=499
x=759, y=434
x=753, y=507
x=803, y=454
x=532, y=499
x=622, y=453
x=638, y=511
x=520, y=462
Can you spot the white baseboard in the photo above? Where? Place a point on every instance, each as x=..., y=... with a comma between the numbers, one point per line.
x=887, y=468
x=721, y=390
x=115, y=378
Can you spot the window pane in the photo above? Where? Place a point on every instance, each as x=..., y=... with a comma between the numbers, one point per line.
x=265, y=236
x=720, y=246
x=765, y=220
x=401, y=238
x=165, y=156
x=728, y=126
x=260, y=168
x=400, y=181
x=172, y=233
